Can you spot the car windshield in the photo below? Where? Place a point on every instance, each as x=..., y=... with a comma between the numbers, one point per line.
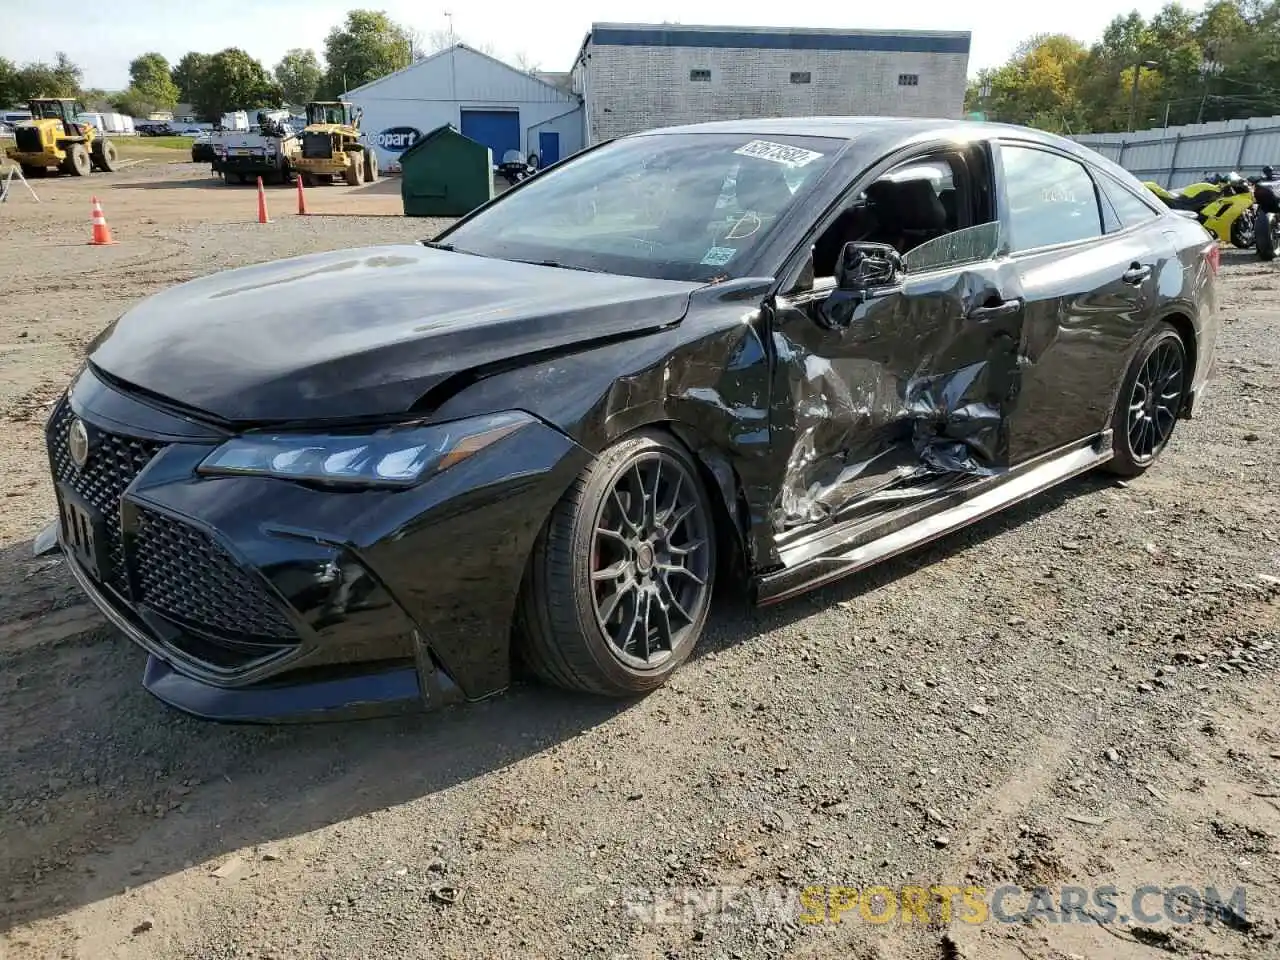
x=673, y=206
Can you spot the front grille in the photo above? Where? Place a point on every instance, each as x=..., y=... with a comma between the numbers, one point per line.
x=317, y=146
x=28, y=140
x=113, y=463
x=183, y=574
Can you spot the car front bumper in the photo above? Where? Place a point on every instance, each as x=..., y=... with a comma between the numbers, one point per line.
x=266, y=600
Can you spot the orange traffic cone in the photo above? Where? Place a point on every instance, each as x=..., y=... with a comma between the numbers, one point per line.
x=262, y=204
x=101, y=232
x=302, y=199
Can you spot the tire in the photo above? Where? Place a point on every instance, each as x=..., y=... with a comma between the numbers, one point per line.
x=1264, y=235
x=77, y=163
x=242, y=178
x=564, y=610
x=105, y=155
x=1242, y=230
x=371, y=166
x=354, y=174
x=1160, y=368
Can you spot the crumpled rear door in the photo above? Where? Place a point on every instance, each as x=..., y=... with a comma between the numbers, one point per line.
x=872, y=397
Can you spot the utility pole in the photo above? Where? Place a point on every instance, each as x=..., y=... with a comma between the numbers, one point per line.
x=1208, y=69
x=1133, y=94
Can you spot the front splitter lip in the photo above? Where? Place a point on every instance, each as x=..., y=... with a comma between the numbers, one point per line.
x=380, y=693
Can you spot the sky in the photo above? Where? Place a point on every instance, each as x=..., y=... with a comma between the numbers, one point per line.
x=104, y=37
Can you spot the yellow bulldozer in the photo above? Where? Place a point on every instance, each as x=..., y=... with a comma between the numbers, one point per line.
x=53, y=137
x=331, y=146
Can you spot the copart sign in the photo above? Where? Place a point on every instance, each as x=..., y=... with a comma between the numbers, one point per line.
x=396, y=139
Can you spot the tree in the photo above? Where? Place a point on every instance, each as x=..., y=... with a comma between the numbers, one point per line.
x=9, y=92
x=39, y=79
x=234, y=81
x=1037, y=87
x=299, y=75
x=96, y=99
x=133, y=103
x=151, y=80
x=370, y=45
x=66, y=76
x=1220, y=64
x=526, y=64
x=188, y=75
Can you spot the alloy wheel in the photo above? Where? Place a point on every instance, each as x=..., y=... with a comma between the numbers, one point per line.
x=650, y=560
x=1153, y=403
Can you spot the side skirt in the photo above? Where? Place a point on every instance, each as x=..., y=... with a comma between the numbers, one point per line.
x=839, y=551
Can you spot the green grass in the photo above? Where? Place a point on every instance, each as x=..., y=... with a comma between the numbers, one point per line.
x=164, y=143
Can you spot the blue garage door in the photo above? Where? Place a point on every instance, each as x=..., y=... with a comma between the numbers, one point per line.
x=499, y=130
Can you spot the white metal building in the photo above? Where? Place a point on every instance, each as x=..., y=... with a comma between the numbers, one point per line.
x=487, y=100
x=638, y=76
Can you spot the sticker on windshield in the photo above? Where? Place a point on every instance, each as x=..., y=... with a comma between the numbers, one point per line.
x=718, y=256
x=778, y=153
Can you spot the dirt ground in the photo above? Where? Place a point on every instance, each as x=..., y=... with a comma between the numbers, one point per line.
x=1079, y=692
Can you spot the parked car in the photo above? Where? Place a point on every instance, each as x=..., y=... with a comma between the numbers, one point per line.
x=342, y=483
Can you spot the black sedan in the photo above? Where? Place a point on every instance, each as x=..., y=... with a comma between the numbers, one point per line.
x=776, y=351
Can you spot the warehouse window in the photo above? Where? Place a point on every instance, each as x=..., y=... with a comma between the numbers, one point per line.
x=908, y=79
x=801, y=77
x=703, y=75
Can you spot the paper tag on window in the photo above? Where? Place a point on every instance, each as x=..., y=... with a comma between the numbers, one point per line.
x=718, y=256
x=778, y=153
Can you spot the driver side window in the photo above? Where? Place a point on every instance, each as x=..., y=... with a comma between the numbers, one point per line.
x=935, y=210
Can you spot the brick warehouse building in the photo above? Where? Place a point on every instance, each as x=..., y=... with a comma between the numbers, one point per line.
x=634, y=77
x=631, y=77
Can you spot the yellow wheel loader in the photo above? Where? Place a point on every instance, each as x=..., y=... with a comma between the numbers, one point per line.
x=331, y=146
x=53, y=137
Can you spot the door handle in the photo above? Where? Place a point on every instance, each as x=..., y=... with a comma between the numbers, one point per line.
x=1002, y=309
x=1136, y=273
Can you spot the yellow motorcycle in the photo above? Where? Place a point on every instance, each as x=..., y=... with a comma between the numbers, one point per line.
x=1223, y=205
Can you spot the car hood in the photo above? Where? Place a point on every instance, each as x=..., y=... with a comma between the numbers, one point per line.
x=364, y=332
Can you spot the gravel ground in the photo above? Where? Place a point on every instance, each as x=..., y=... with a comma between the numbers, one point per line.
x=1077, y=692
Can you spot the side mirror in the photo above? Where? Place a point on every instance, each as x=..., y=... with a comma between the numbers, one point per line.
x=864, y=267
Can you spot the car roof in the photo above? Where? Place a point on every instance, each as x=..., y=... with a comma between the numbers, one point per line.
x=884, y=135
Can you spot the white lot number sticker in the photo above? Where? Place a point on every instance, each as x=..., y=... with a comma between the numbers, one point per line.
x=778, y=153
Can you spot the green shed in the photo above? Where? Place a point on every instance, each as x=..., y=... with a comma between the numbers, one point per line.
x=445, y=174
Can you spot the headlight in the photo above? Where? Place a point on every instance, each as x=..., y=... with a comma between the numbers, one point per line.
x=392, y=457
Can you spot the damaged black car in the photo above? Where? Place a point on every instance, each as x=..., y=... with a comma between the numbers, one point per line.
x=776, y=351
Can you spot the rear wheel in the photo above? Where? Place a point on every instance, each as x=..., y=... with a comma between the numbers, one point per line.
x=1265, y=229
x=619, y=583
x=105, y=155
x=77, y=163
x=1150, y=402
x=370, y=166
x=1242, y=231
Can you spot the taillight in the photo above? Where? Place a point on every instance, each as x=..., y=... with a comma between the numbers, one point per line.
x=1213, y=257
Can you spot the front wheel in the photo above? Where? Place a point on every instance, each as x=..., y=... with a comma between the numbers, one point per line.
x=106, y=156
x=1150, y=403
x=619, y=583
x=77, y=163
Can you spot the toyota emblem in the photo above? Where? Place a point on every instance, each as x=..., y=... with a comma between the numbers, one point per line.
x=78, y=443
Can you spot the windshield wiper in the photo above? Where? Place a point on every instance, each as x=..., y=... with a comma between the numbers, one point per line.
x=558, y=265
x=437, y=245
